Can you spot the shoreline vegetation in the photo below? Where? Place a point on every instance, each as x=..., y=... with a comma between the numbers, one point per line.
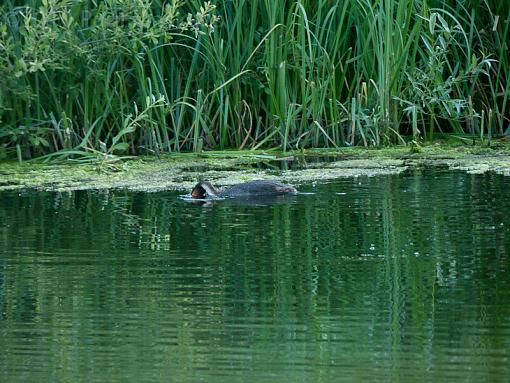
x=181, y=171
x=90, y=81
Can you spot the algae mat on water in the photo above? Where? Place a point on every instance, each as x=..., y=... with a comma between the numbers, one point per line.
x=182, y=171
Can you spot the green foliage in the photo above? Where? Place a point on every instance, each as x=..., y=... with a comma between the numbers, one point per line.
x=247, y=74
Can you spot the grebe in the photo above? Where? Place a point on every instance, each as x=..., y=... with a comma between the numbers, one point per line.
x=205, y=189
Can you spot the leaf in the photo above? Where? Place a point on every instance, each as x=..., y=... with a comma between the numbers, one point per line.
x=120, y=147
x=432, y=23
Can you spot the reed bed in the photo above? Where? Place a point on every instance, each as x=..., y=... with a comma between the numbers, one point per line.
x=87, y=79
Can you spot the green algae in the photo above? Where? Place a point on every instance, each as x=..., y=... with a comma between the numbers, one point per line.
x=182, y=171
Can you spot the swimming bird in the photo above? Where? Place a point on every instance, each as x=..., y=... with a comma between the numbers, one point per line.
x=256, y=188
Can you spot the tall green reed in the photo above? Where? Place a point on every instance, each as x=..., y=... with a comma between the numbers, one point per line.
x=247, y=74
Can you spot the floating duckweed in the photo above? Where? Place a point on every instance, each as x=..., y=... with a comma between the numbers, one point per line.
x=181, y=172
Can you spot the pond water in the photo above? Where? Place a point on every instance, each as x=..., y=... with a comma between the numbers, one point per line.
x=385, y=278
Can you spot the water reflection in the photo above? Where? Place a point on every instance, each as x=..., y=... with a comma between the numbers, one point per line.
x=262, y=200
x=401, y=277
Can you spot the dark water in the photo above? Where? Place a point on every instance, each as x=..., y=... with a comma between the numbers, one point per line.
x=398, y=278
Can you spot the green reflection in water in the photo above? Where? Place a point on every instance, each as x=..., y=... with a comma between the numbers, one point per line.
x=381, y=279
